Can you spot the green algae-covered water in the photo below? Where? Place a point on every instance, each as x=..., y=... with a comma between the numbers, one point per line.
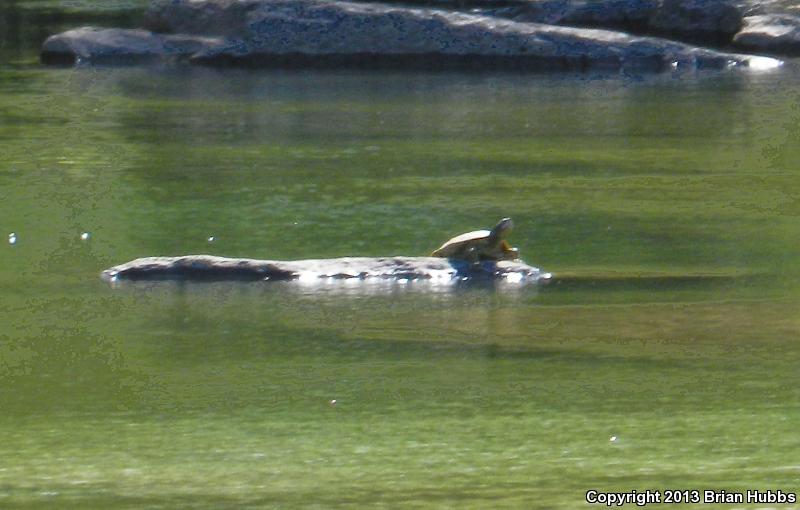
x=664, y=355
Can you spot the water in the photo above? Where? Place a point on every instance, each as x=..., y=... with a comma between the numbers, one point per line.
x=663, y=356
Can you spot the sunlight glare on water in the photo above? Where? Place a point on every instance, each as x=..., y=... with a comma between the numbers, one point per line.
x=763, y=63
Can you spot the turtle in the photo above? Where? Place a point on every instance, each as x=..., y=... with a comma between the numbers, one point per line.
x=481, y=245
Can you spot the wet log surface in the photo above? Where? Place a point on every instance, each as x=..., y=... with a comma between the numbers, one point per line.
x=212, y=268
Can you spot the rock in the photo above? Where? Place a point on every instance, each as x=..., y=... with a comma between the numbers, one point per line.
x=117, y=45
x=210, y=268
x=217, y=17
x=692, y=20
x=697, y=20
x=770, y=33
x=758, y=7
x=331, y=33
x=610, y=13
x=92, y=43
x=346, y=34
x=335, y=34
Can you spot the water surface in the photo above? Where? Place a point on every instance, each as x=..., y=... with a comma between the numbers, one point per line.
x=666, y=206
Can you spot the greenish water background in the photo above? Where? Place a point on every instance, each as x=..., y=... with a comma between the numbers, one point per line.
x=667, y=205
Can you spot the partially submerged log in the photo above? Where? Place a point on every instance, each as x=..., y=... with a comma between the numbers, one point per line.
x=211, y=268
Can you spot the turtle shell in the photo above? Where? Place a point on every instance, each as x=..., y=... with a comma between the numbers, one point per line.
x=457, y=246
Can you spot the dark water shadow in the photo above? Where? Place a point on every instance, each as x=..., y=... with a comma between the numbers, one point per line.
x=649, y=282
x=278, y=321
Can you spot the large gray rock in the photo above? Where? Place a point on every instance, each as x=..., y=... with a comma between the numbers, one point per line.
x=332, y=33
x=211, y=268
x=770, y=33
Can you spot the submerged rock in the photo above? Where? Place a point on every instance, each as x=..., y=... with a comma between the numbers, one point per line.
x=336, y=34
x=211, y=268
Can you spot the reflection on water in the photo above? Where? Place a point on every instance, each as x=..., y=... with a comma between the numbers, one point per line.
x=332, y=289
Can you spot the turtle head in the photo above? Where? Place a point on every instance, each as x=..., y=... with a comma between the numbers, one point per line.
x=503, y=228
